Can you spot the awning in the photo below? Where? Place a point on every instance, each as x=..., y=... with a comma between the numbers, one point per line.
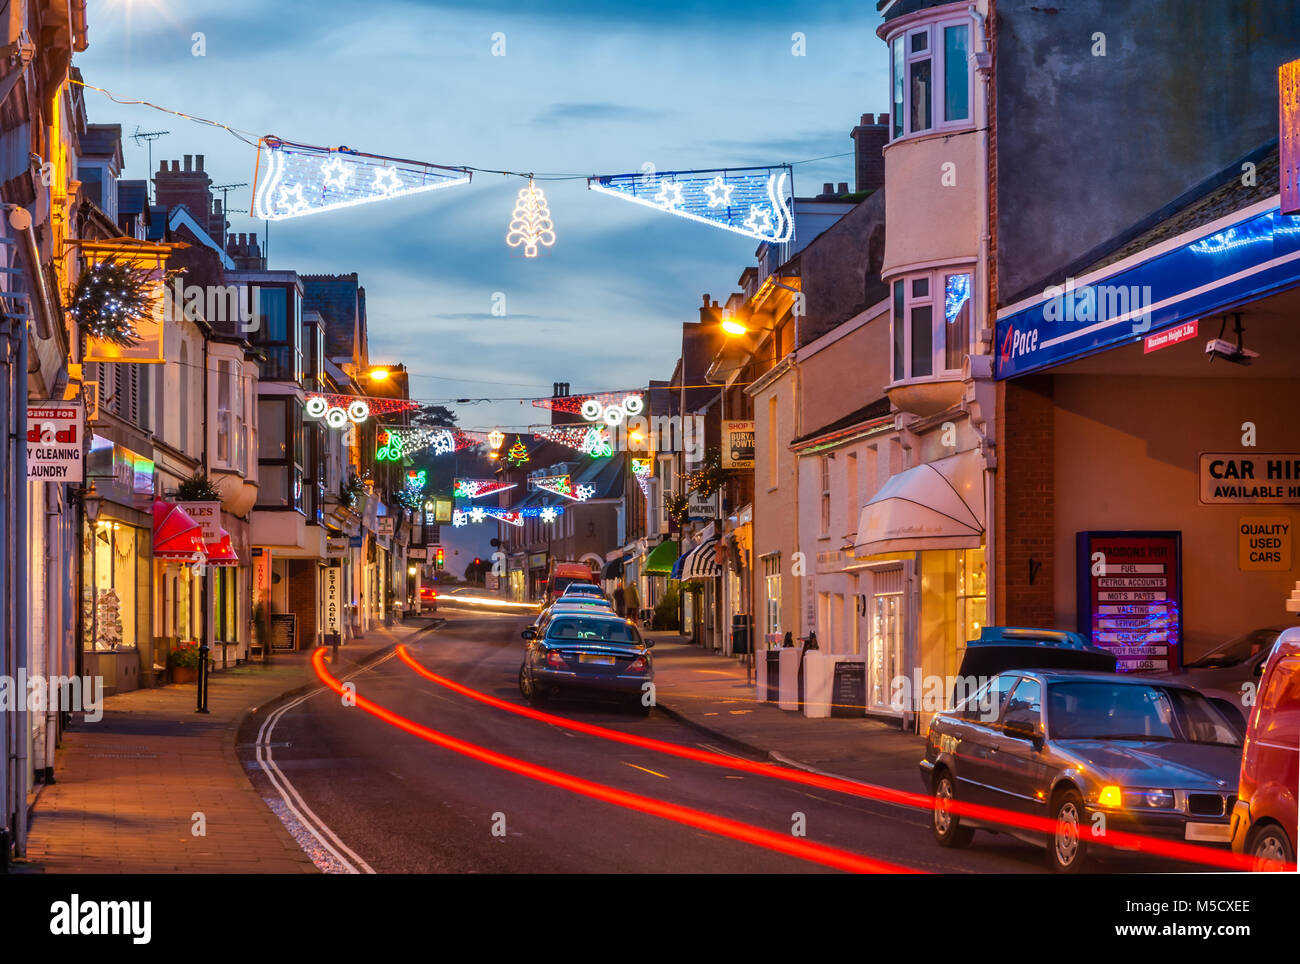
x=701, y=562
x=661, y=559
x=175, y=534
x=222, y=552
x=938, y=505
x=613, y=569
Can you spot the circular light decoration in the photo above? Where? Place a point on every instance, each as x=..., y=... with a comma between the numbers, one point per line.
x=632, y=405
x=595, y=410
x=358, y=411
x=336, y=418
x=316, y=406
x=591, y=409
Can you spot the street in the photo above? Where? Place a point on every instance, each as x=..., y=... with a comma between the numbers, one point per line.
x=404, y=806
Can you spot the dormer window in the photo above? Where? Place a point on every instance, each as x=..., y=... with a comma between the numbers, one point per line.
x=930, y=69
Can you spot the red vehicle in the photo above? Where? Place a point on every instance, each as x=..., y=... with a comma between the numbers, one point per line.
x=428, y=599
x=564, y=574
x=1264, y=819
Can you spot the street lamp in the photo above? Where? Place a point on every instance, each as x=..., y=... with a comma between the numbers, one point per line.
x=90, y=501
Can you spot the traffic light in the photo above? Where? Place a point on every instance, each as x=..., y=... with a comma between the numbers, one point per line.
x=438, y=562
x=477, y=562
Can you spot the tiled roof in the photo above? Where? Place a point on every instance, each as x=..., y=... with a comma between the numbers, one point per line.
x=877, y=409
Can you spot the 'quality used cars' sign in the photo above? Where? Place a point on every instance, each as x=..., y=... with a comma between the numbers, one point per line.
x=55, y=431
x=1264, y=543
x=1269, y=478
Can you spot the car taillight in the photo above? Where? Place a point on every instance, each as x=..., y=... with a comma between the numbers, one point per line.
x=555, y=660
x=638, y=665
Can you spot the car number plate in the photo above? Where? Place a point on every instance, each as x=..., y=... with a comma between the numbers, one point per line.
x=596, y=658
x=1209, y=832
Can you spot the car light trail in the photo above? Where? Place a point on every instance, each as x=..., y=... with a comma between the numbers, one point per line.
x=1119, y=839
x=722, y=826
x=487, y=601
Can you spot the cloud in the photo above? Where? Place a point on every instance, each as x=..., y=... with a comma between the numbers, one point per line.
x=592, y=113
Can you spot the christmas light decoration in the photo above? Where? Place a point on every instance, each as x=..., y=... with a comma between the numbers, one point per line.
x=518, y=453
x=594, y=410
x=642, y=471
x=292, y=180
x=496, y=438
x=336, y=410
x=476, y=488
x=531, y=225
x=110, y=297
x=573, y=403
x=557, y=484
x=753, y=201
x=415, y=481
x=549, y=514
x=584, y=492
x=597, y=443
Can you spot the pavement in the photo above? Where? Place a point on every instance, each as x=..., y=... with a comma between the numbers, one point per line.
x=710, y=692
x=131, y=790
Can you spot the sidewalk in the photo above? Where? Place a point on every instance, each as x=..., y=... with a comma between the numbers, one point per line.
x=127, y=787
x=709, y=692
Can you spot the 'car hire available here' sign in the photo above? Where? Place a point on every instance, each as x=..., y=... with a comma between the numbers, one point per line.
x=1130, y=597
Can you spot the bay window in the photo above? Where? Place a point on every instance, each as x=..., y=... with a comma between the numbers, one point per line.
x=930, y=81
x=931, y=324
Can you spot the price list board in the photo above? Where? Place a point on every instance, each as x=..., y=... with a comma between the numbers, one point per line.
x=1130, y=597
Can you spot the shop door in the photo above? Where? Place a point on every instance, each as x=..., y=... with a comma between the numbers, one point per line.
x=886, y=613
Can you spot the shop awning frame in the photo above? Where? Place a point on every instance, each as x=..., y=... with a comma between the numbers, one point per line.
x=701, y=562
x=935, y=505
x=661, y=559
x=176, y=536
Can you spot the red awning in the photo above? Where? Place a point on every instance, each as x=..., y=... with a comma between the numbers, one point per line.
x=175, y=534
x=222, y=552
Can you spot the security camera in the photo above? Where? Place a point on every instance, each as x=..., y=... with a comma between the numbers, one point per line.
x=1219, y=348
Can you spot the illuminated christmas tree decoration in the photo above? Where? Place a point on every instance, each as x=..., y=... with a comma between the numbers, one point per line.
x=518, y=453
x=476, y=488
x=530, y=224
x=753, y=201
x=415, y=481
x=292, y=180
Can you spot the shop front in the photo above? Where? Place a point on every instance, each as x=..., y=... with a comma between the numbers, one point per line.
x=1165, y=425
x=921, y=586
x=116, y=584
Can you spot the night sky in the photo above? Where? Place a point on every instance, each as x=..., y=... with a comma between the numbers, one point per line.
x=582, y=89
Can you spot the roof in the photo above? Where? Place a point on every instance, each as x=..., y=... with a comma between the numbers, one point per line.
x=132, y=197
x=877, y=409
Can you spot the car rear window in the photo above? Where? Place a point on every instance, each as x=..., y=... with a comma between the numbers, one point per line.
x=580, y=628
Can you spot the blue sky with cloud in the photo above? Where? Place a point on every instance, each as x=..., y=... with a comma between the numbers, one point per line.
x=584, y=88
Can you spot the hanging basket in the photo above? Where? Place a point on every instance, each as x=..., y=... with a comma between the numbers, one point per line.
x=110, y=298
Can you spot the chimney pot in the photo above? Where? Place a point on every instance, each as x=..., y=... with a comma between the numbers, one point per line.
x=198, y=162
x=828, y=187
x=189, y=160
x=866, y=120
x=843, y=187
x=882, y=119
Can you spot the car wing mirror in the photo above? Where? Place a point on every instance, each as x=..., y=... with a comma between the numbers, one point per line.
x=1023, y=730
x=1259, y=668
x=648, y=643
x=529, y=634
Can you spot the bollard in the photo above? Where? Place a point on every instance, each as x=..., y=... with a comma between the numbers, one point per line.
x=203, y=679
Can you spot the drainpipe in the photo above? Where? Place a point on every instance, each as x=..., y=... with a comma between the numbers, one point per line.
x=8, y=661
x=53, y=623
x=983, y=62
x=18, y=502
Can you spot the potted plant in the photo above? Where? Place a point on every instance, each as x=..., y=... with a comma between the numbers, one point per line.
x=184, y=663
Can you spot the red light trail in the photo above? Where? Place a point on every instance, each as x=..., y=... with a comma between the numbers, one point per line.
x=723, y=826
x=1153, y=846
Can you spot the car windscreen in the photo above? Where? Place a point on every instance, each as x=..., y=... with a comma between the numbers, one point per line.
x=584, y=629
x=1096, y=710
x=1237, y=650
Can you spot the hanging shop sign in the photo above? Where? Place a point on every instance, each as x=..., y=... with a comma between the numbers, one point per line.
x=122, y=300
x=700, y=506
x=336, y=547
x=384, y=525
x=1235, y=478
x=55, y=437
x=333, y=601
x=738, y=443
x=1130, y=597
x=1264, y=543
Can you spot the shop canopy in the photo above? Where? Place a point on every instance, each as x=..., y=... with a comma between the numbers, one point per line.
x=701, y=562
x=661, y=559
x=938, y=505
x=176, y=536
x=614, y=569
x=222, y=552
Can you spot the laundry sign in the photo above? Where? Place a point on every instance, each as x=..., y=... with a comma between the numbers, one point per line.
x=1267, y=478
x=1264, y=543
x=55, y=439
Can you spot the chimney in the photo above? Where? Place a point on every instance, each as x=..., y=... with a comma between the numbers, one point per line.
x=869, y=140
x=828, y=189
x=843, y=188
x=198, y=162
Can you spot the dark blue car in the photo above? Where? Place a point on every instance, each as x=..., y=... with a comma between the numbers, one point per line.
x=587, y=654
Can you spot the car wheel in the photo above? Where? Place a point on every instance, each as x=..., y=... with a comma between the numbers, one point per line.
x=1270, y=847
x=533, y=693
x=1067, y=851
x=948, y=830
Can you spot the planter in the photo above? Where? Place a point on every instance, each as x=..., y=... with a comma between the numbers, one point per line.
x=184, y=674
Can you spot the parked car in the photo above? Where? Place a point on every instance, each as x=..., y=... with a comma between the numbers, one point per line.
x=1231, y=669
x=575, y=604
x=583, y=589
x=1264, y=820
x=1154, y=757
x=586, y=653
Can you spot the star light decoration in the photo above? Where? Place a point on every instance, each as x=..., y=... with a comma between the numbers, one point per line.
x=549, y=514
x=753, y=201
x=292, y=180
x=530, y=223
x=475, y=488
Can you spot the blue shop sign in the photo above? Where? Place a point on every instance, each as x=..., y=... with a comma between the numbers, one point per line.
x=1253, y=258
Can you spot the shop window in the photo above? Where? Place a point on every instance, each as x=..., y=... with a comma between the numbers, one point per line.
x=772, y=594
x=972, y=592
x=931, y=324
x=930, y=78
x=110, y=599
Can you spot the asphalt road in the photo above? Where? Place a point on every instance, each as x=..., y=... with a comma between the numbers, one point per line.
x=404, y=805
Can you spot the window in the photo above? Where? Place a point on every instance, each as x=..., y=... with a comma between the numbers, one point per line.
x=184, y=414
x=771, y=442
x=931, y=324
x=851, y=490
x=826, y=496
x=772, y=594
x=930, y=83
x=1025, y=705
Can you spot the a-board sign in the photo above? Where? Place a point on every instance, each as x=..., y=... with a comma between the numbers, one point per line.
x=849, y=689
x=284, y=631
x=1130, y=597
